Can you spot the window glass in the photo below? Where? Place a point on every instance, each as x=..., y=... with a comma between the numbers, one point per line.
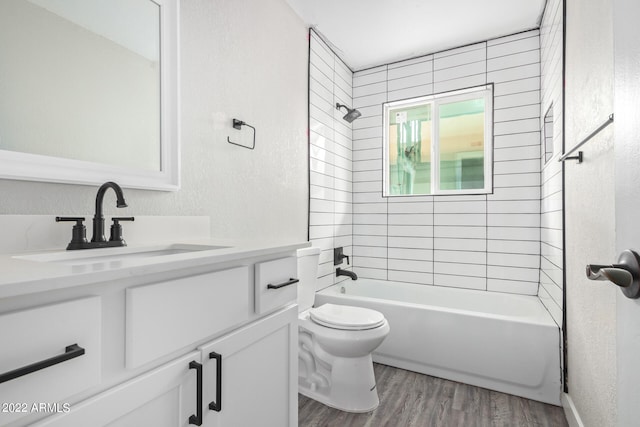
x=439, y=144
x=461, y=145
x=410, y=150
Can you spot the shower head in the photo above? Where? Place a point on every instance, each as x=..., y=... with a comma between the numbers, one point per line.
x=352, y=113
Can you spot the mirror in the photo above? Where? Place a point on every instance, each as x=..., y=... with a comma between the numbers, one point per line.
x=88, y=92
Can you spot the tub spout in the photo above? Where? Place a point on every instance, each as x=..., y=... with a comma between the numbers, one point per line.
x=341, y=272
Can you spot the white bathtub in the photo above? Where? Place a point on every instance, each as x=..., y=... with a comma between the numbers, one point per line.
x=499, y=341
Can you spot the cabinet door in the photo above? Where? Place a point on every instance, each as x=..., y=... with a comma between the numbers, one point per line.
x=165, y=396
x=250, y=375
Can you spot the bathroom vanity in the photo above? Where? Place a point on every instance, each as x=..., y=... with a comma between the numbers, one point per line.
x=169, y=335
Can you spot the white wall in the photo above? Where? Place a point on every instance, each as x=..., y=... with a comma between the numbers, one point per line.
x=590, y=213
x=331, y=158
x=246, y=60
x=488, y=242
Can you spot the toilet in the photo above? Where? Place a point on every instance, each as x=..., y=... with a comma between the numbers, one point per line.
x=335, y=343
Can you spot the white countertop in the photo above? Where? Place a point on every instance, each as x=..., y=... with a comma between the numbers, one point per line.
x=20, y=276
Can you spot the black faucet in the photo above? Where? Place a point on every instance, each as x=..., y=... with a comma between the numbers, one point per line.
x=98, y=218
x=79, y=240
x=341, y=272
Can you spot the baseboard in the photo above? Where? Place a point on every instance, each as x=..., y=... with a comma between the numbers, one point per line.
x=570, y=411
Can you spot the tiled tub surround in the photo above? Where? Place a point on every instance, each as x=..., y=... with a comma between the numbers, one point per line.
x=487, y=242
x=551, y=241
x=330, y=163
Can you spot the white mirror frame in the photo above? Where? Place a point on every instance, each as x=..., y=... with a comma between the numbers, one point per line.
x=34, y=167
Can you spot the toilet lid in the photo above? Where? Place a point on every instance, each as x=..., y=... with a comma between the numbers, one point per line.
x=346, y=317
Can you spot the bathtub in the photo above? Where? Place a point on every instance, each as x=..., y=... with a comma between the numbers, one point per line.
x=503, y=342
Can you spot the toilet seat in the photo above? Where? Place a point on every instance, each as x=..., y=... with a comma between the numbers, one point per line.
x=346, y=317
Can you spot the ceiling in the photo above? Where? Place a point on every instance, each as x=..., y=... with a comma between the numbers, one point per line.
x=366, y=33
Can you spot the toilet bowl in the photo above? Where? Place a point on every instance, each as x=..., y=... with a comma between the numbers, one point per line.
x=335, y=343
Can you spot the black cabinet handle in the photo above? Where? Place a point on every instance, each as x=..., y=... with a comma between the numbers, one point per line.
x=282, y=285
x=197, y=419
x=217, y=406
x=70, y=352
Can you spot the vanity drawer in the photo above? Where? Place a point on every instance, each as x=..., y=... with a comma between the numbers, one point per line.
x=276, y=284
x=167, y=316
x=49, y=354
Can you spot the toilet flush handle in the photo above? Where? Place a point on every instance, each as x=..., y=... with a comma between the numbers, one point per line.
x=625, y=274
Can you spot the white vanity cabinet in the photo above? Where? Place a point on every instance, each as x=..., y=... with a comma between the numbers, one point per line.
x=251, y=375
x=163, y=397
x=212, y=344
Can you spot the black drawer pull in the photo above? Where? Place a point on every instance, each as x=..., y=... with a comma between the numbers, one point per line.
x=282, y=285
x=197, y=419
x=70, y=352
x=216, y=405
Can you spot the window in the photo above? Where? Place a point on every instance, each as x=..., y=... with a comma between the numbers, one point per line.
x=439, y=144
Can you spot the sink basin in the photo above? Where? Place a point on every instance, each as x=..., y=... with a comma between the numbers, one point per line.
x=92, y=256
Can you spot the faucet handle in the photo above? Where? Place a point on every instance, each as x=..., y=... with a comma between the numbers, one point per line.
x=79, y=232
x=116, y=228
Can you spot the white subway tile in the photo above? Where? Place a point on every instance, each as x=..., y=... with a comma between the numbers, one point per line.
x=448, y=207
x=411, y=277
x=513, y=260
x=472, y=270
x=513, y=273
x=410, y=242
x=472, y=219
x=410, y=92
x=443, y=243
x=459, y=83
x=512, y=286
x=513, y=220
x=369, y=240
x=370, y=89
x=370, y=230
x=368, y=262
x=361, y=79
x=516, y=86
x=517, y=99
x=413, y=254
x=515, y=206
x=514, y=246
x=372, y=273
x=404, y=69
x=516, y=166
x=370, y=219
x=475, y=56
x=454, y=232
x=411, y=219
x=460, y=256
x=410, y=81
x=410, y=265
x=463, y=282
x=369, y=251
x=411, y=230
x=514, y=233
x=514, y=60
x=462, y=71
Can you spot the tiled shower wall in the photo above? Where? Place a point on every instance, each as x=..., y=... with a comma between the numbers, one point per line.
x=551, y=274
x=510, y=240
x=488, y=242
x=330, y=163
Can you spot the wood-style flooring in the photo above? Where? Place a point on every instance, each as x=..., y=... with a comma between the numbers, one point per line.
x=409, y=399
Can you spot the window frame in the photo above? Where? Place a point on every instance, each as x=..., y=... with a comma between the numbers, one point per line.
x=435, y=100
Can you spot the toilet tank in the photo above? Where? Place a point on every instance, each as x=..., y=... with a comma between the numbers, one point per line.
x=307, y=273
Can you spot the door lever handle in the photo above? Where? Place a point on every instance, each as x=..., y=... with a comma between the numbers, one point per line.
x=625, y=274
x=619, y=276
